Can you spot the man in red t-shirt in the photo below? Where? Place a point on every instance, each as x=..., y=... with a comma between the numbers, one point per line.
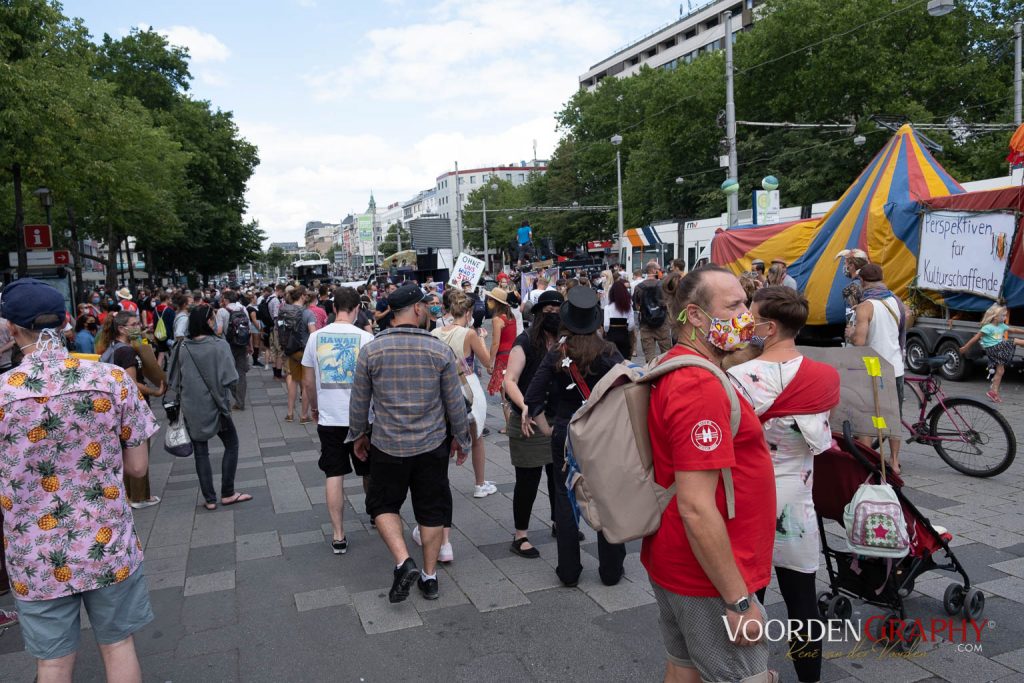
x=706, y=568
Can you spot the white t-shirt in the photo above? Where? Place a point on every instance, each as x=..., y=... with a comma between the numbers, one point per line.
x=332, y=352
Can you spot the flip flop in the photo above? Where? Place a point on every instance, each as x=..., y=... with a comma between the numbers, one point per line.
x=210, y=506
x=237, y=498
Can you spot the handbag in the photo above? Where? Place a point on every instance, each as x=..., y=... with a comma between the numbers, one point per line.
x=177, y=441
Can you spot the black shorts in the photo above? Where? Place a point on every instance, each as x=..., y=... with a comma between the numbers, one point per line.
x=338, y=458
x=424, y=475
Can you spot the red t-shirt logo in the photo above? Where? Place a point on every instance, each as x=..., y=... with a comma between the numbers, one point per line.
x=706, y=435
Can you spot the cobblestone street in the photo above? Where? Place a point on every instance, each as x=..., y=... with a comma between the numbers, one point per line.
x=253, y=593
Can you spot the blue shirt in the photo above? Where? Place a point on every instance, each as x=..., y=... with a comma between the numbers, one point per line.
x=85, y=342
x=525, y=234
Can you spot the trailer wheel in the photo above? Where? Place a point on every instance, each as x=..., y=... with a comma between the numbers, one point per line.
x=956, y=366
x=917, y=356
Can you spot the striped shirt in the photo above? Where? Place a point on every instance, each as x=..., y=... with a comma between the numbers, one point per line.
x=413, y=381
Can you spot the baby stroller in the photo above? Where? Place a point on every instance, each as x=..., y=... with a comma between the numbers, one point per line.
x=885, y=583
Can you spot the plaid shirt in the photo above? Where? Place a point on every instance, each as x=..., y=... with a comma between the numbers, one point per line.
x=413, y=380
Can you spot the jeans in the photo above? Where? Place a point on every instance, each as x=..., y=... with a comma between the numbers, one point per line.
x=610, y=556
x=525, y=493
x=797, y=590
x=241, y=355
x=201, y=449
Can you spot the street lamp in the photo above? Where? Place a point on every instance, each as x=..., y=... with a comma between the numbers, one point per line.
x=617, y=140
x=46, y=199
x=938, y=8
x=859, y=140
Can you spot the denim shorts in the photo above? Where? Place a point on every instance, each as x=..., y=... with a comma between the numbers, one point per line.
x=51, y=628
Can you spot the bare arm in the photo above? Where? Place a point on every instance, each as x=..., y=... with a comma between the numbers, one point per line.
x=970, y=342
x=309, y=388
x=477, y=346
x=516, y=365
x=705, y=530
x=136, y=460
x=860, y=332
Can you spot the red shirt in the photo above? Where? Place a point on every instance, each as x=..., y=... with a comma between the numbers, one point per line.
x=689, y=426
x=129, y=306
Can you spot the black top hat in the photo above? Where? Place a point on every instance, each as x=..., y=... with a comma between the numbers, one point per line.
x=581, y=312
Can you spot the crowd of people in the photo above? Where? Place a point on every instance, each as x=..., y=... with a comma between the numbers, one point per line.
x=393, y=378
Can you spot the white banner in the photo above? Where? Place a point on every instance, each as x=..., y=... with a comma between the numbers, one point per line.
x=466, y=268
x=964, y=252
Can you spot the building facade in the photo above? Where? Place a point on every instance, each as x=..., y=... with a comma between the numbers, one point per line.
x=680, y=42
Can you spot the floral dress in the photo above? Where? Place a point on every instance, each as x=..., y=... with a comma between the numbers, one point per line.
x=793, y=442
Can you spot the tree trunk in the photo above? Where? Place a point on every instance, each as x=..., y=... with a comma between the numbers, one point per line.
x=76, y=254
x=131, y=266
x=112, y=243
x=19, y=221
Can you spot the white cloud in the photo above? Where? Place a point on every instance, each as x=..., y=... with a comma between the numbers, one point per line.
x=202, y=47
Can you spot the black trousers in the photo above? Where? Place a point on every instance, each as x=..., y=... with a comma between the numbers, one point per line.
x=525, y=494
x=610, y=556
x=797, y=590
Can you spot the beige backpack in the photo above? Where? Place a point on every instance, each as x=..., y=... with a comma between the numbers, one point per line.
x=609, y=463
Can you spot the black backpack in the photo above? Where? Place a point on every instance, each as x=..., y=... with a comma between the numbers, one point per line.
x=238, y=330
x=652, y=310
x=263, y=312
x=292, y=334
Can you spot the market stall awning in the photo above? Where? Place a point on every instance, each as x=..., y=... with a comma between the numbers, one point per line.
x=643, y=237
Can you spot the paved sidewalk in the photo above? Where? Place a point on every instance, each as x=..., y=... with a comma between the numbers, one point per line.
x=252, y=592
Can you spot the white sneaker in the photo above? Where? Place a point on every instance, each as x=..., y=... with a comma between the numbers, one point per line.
x=155, y=500
x=485, y=489
x=445, y=554
x=416, y=535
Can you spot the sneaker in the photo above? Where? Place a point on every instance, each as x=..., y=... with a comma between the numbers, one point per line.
x=404, y=578
x=340, y=547
x=9, y=617
x=416, y=535
x=445, y=554
x=428, y=587
x=483, y=490
x=155, y=500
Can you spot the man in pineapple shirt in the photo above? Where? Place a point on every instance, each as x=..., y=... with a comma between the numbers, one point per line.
x=70, y=431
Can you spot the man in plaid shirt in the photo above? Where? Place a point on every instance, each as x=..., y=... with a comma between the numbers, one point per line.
x=420, y=419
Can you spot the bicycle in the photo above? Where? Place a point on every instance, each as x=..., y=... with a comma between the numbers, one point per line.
x=970, y=436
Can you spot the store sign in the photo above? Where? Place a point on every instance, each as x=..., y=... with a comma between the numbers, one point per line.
x=964, y=252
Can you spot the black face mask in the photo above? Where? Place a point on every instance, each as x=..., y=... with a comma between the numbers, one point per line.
x=92, y=327
x=551, y=322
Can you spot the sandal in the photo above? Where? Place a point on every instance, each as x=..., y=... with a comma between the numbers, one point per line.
x=210, y=506
x=289, y=418
x=237, y=498
x=305, y=420
x=517, y=548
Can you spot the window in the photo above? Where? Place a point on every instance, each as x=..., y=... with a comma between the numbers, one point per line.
x=690, y=34
x=472, y=180
x=508, y=177
x=522, y=177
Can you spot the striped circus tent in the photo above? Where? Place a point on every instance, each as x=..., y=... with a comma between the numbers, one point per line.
x=879, y=213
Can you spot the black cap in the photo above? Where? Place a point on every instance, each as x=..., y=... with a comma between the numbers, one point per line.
x=581, y=313
x=550, y=297
x=32, y=304
x=405, y=296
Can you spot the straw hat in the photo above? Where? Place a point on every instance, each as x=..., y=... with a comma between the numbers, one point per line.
x=499, y=295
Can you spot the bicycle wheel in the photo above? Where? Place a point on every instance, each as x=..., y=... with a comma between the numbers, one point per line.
x=976, y=439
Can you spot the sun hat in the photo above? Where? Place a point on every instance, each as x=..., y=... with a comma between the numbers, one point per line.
x=123, y=293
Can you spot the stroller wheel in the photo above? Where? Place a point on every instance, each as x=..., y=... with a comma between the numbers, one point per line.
x=974, y=604
x=823, y=599
x=953, y=599
x=839, y=607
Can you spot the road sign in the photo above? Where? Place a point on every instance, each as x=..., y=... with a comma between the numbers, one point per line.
x=61, y=257
x=38, y=237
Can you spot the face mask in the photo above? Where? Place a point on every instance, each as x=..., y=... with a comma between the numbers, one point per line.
x=95, y=300
x=92, y=327
x=757, y=342
x=134, y=335
x=728, y=334
x=435, y=310
x=551, y=322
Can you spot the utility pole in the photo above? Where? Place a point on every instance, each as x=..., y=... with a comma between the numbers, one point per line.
x=486, y=262
x=733, y=200
x=1016, y=72
x=458, y=212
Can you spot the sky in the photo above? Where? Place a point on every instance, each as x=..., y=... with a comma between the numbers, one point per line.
x=343, y=97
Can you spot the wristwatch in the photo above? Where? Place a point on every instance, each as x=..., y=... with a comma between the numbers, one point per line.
x=740, y=606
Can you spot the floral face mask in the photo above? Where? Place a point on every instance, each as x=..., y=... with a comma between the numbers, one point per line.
x=727, y=334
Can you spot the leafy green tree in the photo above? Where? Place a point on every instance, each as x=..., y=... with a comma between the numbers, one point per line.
x=389, y=245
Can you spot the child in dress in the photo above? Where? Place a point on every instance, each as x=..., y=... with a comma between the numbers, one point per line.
x=997, y=345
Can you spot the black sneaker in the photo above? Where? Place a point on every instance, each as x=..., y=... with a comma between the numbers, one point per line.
x=340, y=547
x=404, y=578
x=428, y=587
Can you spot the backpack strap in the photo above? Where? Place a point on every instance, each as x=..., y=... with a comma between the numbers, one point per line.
x=657, y=370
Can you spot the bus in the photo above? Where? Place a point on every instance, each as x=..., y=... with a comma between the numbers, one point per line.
x=309, y=267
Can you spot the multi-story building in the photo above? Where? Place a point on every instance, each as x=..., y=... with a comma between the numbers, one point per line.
x=290, y=248
x=321, y=237
x=679, y=42
x=453, y=192
x=423, y=205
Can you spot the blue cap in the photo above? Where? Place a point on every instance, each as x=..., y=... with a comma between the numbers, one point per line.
x=32, y=304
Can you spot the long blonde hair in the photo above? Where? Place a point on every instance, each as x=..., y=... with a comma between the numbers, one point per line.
x=994, y=312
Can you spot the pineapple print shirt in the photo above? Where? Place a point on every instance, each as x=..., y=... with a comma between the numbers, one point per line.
x=68, y=527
